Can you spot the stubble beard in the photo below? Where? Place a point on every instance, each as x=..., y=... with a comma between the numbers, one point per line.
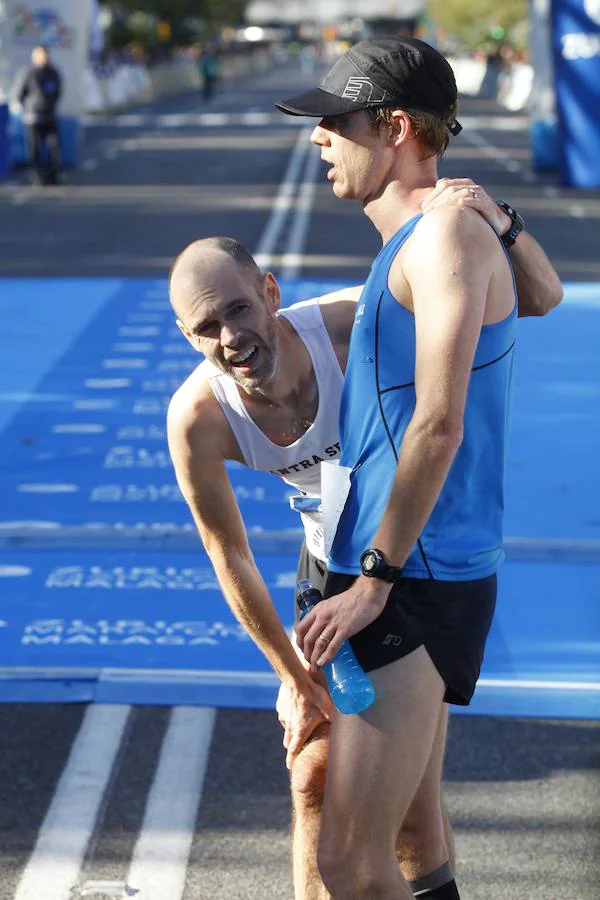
x=268, y=349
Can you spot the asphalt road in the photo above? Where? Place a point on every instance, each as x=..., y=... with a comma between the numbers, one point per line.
x=523, y=795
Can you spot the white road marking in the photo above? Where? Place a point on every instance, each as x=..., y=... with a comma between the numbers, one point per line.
x=495, y=123
x=283, y=201
x=88, y=403
x=131, y=121
x=21, y=197
x=144, y=316
x=47, y=488
x=215, y=119
x=55, y=864
x=159, y=863
x=129, y=363
x=256, y=118
x=78, y=428
x=173, y=120
x=232, y=677
x=526, y=684
x=135, y=331
x=132, y=347
x=498, y=155
x=14, y=571
x=292, y=260
x=107, y=384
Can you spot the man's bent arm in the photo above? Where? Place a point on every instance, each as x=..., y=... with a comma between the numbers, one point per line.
x=203, y=480
x=538, y=285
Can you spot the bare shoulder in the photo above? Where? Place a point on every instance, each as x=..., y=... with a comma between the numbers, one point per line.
x=444, y=240
x=446, y=228
x=195, y=420
x=338, y=310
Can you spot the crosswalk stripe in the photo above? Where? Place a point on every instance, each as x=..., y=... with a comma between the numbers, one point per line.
x=159, y=863
x=54, y=866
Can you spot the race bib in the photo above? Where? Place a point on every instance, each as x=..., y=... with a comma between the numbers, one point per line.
x=335, y=487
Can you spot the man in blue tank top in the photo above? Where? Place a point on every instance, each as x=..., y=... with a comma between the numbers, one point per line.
x=423, y=427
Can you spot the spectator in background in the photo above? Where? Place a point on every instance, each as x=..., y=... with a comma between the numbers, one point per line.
x=38, y=92
x=210, y=71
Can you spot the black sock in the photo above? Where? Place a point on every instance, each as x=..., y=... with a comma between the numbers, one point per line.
x=447, y=891
x=438, y=885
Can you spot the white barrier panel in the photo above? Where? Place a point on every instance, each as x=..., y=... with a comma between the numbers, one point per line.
x=469, y=74
x=63, y=27
x=542, y=103
x=133, y=84
x=515, y=87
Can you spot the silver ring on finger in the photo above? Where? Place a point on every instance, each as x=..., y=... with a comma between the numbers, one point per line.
x=323, y=639
x=473, y=193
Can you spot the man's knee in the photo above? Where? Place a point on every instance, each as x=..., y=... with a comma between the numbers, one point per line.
x=348, y=872
x=421, y=842
x=308, y=772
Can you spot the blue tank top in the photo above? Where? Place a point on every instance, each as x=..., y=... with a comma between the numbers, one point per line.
x=462, y=539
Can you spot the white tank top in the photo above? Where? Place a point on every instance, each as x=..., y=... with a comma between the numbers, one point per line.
x=299, y=464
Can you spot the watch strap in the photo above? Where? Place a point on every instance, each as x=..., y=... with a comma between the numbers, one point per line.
x=382, y=569
x=516, y=227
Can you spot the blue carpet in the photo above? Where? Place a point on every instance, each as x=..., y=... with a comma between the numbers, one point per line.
x=99, y=562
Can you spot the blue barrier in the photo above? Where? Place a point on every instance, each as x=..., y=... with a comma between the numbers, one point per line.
x=5, y=160
x=545, y=145
x=70, y=137
x=576, y=55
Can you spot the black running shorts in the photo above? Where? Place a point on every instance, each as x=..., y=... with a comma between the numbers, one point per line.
x=450, y=618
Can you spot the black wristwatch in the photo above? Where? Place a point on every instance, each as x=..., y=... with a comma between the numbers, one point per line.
x=517, y=224
x=373, y=565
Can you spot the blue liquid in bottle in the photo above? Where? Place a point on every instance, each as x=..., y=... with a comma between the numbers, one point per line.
x=349, y=685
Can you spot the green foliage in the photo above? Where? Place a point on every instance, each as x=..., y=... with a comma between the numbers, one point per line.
x=190, y=20
x=119, y=34
x=475, y=22
x=222, y=11
x=143, y=26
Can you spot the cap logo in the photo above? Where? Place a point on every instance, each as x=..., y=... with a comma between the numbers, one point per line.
x=360, y=90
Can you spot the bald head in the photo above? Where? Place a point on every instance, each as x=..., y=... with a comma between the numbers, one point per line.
x=202, y=262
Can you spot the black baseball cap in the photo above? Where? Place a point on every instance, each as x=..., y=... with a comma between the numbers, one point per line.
x=385, y=71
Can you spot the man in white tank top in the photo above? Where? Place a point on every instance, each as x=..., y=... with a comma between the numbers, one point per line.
x=267, y=396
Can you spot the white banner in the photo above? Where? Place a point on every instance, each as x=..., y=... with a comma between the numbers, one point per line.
x=63, y=26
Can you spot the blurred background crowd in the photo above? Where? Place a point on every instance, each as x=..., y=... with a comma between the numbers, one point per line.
x=118, y=53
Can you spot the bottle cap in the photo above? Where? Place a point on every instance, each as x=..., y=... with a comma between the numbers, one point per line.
x=307, y=594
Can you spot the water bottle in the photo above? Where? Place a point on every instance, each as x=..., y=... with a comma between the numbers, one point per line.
x=349, y=685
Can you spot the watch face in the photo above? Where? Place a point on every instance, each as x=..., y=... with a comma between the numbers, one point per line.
x=369, y=562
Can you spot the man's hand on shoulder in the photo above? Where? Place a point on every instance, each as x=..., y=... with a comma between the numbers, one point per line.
x=538, y=284
x=463, y=192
